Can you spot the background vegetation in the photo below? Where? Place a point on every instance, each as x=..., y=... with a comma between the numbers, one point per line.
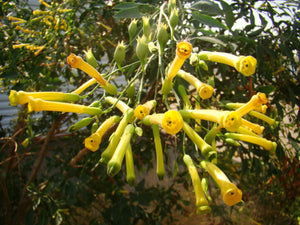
x=48, y=178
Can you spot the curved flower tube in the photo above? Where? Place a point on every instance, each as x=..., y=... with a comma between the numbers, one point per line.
x=22, y=97
x=160, y=170
x=79, y=63
x=205, y=91
x=256, y=101
x=84, y=86
x=92, y=142
x=231, y=194
x=206, y=150
x=201, y=201
x=246, y=65
x=122, y=106
x=263, y=117
x=115, y=163
x=143, y=110
x=36, y=104
x=236, y=105
x=230, y=120
x=183, y=51
x=266, y=144
x=115, y=138
x=130, y=177
x=170, y=121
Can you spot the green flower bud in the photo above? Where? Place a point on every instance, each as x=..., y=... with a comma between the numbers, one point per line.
x=203, y=65
x=194, y=61
x=132, y=29
x=119, y=54
x=142, y=49
x=146, y=27
x=162, y=35
x=90, y=58
x=94, y=127
x=80, y=124
x=171, y=5
x=174, y=18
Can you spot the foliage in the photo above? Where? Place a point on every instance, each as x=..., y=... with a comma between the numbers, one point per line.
x=47, y=176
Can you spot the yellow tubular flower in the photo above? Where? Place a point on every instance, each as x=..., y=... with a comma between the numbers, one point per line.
x=230, y=120
x=206, y=150
x=79, y=63
x=263, y=117
x=231, y=194
x=22, y=97
x=122, y=106
x=266, y=144
x=255, y=102
x=115, y=163
x=36, y=104
x=45, y=3
x=236, y=105
x=198, y=127
x=84, y=86
x=26, y=31
x=205, y=91
x=201, y=201
x=160, y=170
x=143, y=110
x=92, y=142
x=115, y=138
x=253, y=127
x=172, y=122
x=183, y=51
x=246, y=65
x=130, y=177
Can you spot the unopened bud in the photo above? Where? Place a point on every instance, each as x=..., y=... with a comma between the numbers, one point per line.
x=142, y=48
x=194, y=61
x=80, y=124
x=174, y=18
x=146, y=27
x=90, y=58
x=132, y=29
x=119, y=54
x=162, y=35
x=171, y=5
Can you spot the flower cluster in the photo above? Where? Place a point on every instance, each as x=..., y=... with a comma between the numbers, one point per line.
x=187, y=120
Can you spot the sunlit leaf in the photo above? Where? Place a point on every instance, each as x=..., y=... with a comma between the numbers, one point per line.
x=208, y=20
x=207, y=7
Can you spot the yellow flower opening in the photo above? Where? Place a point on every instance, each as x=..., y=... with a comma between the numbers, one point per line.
x=143, y=110
x=231, y=194
x=172, y=122
x=92, y=142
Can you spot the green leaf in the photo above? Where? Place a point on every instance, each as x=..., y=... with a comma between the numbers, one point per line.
x=126, y=5
x=268, y=89
x=212, y=40
x=133, y=10
x=208, y=20
x=229, y=16
x=207, y=7
x=129, y=13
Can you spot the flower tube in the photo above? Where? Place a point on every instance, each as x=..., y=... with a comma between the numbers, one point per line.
x=160, y=170
x=231, y=194
x=256, y=128
x=266, y=144
x=263, y=117
x=22, y=97
x=36, y=104
x=206, y=150
x=201, y=201
x=92, y=142
x=84, y=86
x=115, y=163
x=236, y=105
x=143, y=110
x=122, y=106
x=115, y=138
x=183, y=51
x=230, y=120
x=130, y=177
x=205, y=91
x=79, y=63
x=246, y=65
x=255, y=102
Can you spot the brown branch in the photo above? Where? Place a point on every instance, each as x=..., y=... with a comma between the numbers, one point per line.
x=79, y=156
